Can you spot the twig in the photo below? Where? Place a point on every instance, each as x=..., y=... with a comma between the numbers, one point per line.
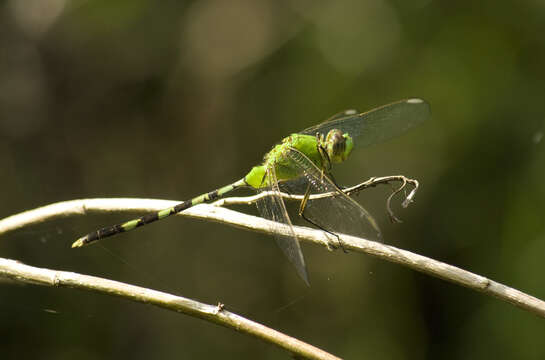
x=213, y=313
x=219, y=214
x=372, y=182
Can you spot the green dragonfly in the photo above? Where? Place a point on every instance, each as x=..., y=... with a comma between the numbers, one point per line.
x=301, y=164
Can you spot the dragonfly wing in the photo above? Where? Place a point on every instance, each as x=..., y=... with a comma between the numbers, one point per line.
x=337, y=213
x=379, y=124
x=341, y=114
x=273, y=208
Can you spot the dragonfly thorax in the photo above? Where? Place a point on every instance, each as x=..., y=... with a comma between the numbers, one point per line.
x=338, y=145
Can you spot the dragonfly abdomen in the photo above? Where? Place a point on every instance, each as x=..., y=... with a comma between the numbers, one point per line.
x=149, y=218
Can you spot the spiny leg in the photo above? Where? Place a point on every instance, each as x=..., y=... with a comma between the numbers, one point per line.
x=341, y=213
x=326, y=163
x=302, y=207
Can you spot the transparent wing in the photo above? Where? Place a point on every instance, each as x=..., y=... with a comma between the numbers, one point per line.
x=273, y=208
x=379, y=124
x=341, y=114
x=337, y=213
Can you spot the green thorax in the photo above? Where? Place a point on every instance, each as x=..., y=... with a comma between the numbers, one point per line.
x=309, y=145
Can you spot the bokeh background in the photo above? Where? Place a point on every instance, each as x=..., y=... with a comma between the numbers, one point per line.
x=169, y=99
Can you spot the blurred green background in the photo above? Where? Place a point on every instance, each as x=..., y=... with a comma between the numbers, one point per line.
x=169, y=99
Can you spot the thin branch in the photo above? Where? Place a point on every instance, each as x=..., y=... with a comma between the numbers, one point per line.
x=214, y=313
x=70, y=208
x=372, y=182
x=233, y=218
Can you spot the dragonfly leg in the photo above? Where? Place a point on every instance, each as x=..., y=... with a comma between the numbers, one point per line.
x=330, y=175
x=326, y=162
x=302, y=207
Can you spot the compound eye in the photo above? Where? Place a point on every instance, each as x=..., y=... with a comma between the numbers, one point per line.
x=336, y=145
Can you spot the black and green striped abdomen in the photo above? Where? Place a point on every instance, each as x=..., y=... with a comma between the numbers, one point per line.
x=149, y=218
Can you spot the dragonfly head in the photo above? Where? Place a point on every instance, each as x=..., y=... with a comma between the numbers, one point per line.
x=338, y=145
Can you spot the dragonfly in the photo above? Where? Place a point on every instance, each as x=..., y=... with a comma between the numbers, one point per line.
x=301, y=164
